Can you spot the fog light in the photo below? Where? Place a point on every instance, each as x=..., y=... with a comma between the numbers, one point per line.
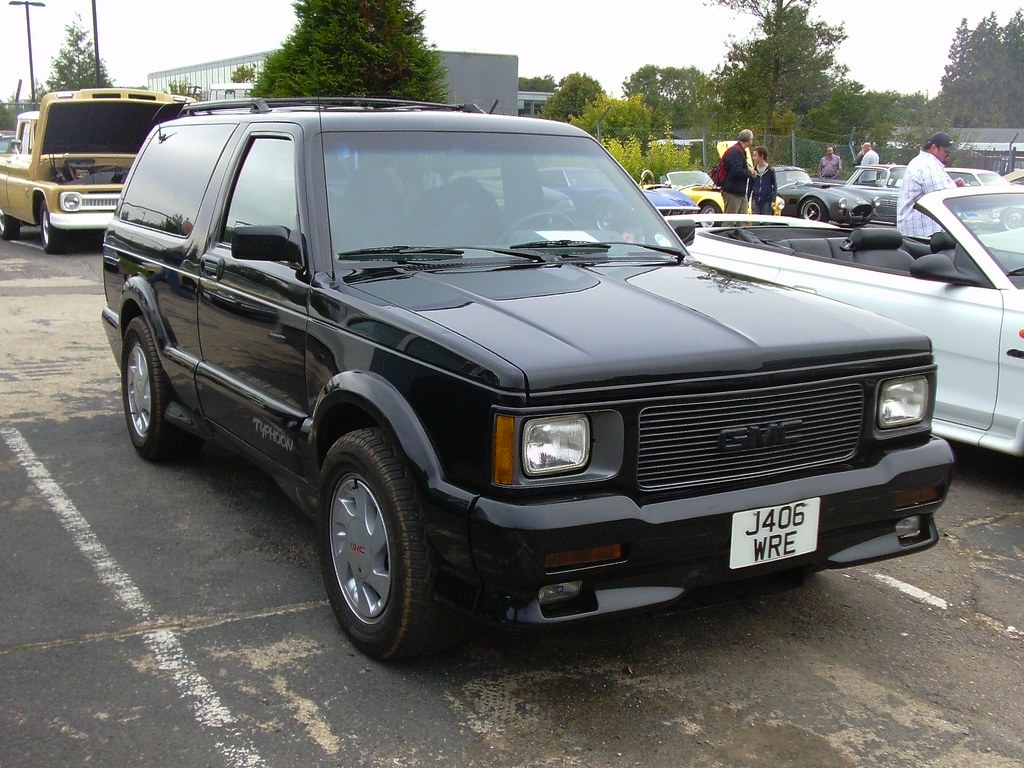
x=559, y=593
x=909, y=527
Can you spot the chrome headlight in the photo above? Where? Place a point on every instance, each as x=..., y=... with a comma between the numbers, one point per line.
x=902, y=402
x=842, y=204
x=70, y=201
x=555, y=444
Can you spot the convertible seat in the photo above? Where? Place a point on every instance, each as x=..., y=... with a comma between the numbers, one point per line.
x=825, y=247
x=941, y=241
x=879, y=247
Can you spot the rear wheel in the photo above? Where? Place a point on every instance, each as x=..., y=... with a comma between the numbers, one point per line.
x=145, y=395
x=813, y=209
x=10, y=227
x=378, y=567
x=55, y=241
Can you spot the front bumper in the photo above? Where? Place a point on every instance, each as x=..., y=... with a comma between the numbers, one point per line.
x=80, y=221
x=673, y=546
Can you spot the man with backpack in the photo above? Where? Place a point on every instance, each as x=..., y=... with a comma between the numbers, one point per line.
x=735, y=187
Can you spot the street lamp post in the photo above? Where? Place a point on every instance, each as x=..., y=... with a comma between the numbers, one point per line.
x=28, y=32
x=96, y=44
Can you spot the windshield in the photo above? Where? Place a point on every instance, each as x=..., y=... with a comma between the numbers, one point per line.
x=686, y=178
x=997, y=222
x=791, y=176
x=446, y=190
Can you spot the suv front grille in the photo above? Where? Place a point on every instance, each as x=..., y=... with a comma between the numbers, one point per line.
x=708, y=439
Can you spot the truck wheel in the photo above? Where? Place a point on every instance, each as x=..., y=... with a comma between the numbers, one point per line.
x=812, y=208
x=55, y=241
x=378, y=567
x=10, y=227
x=145, y=394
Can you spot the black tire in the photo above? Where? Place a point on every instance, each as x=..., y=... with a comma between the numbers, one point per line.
x=378, y=566
x=10, y=227
x=709, y=207
x=55, y=241
x=145, y=395
x=814, y=210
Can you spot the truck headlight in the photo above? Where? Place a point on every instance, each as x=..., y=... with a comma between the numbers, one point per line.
x=555, y=444
x=70, y=201
x=902, y=402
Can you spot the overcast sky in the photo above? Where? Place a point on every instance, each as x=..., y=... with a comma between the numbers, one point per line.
x=900, y=45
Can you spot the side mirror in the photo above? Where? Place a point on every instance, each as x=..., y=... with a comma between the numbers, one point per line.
x=266, y=243
x=686, y=230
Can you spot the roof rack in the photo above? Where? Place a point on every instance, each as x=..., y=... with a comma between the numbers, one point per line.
x=257, y=104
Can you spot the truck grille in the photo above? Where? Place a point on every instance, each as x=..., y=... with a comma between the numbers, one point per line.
x=101, y=201
x=707, y=439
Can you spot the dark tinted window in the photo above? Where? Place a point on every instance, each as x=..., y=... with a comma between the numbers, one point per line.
x=172, y=175
x=264, y=192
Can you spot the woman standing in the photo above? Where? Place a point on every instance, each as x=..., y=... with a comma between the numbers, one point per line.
x=764, y=190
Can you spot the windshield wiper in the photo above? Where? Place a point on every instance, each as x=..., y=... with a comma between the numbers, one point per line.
x=403, y=250
x=537, y=244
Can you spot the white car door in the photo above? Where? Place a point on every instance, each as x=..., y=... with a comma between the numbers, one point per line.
x=964, y=323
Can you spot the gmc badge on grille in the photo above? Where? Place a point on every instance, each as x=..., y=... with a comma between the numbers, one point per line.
x=757, y=436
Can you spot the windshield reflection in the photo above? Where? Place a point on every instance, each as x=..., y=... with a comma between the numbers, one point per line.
x=389, y=190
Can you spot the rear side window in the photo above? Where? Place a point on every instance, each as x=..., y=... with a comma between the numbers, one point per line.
x=171, y=177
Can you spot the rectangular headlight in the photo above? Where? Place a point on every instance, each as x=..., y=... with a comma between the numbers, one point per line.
x=555, y=444
x=902, y=402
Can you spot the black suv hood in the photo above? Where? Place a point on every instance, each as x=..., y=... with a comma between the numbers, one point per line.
x=568, y=326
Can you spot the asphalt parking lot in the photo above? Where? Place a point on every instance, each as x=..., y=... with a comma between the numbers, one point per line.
x=174, y=615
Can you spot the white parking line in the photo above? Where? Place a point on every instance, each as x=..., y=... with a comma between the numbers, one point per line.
x=909, y=589
x=197, y=692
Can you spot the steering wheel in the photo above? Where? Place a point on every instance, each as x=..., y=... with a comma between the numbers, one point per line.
x=547, y=219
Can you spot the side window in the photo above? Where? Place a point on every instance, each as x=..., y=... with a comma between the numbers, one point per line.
x=264, y=192
x=171, y=176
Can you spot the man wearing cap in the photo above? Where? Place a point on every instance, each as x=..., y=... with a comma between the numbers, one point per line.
x=925, y=173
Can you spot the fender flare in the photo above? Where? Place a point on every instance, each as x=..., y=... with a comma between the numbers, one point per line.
x=376, y=395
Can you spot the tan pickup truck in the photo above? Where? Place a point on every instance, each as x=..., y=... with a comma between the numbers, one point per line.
x=71, y=159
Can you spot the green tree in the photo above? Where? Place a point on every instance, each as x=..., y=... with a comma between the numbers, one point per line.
x=788, y=64
x=355, y=48
x=673, y=91
x=623, y=119
x=182, y=88
x=977, y=88
x=573, y=97
x=542, y=84
x=243, y=74
x=74, y=66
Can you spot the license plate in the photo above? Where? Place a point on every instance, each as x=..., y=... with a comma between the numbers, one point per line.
x=774, y=533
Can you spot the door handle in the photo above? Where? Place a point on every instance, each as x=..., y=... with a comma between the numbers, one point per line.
x=212, y=266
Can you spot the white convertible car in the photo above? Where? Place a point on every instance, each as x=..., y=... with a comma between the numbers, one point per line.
x=964, y=287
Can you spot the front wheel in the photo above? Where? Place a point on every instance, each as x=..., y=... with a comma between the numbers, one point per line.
x=709, y=207
x=378, y=567
x=145, y=395
x=813, y=209
x=10, y=227
x=55, y=241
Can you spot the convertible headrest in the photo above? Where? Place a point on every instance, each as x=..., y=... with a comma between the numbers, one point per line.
x=875, y=238
x=941, y=241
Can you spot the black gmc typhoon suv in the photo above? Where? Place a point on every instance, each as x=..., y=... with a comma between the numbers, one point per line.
x=498, y=399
